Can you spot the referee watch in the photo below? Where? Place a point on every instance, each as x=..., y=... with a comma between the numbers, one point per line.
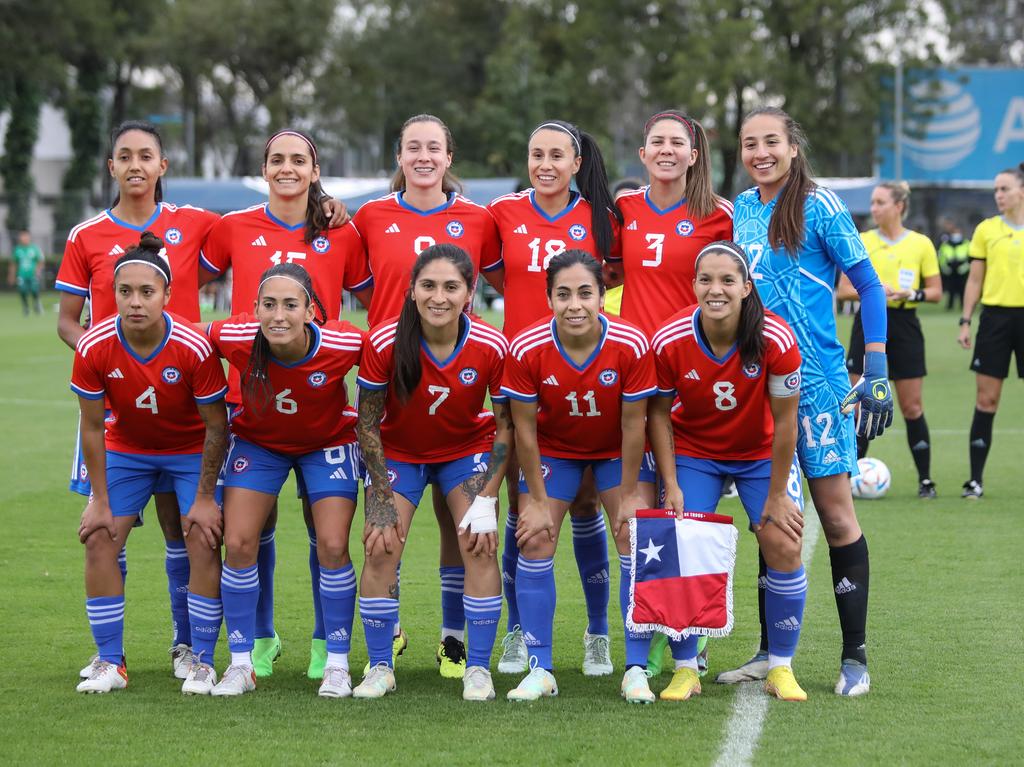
x=965, y=321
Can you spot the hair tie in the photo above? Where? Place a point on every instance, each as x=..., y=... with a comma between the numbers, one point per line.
x=289, y=132
x=557, y=126
x=678, y=118
x=285, y=277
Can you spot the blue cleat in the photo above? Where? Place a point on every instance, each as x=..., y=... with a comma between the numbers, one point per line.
x=853, y=679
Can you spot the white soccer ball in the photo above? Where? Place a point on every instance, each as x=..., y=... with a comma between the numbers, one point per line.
x=873, y=481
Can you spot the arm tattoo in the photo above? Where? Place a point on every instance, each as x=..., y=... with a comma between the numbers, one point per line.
x=215, y=448
x=380, y=507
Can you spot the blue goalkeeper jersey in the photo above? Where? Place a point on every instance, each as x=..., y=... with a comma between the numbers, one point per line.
x=801, y=287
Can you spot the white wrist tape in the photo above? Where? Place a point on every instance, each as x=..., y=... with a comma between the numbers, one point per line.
x=482, y=516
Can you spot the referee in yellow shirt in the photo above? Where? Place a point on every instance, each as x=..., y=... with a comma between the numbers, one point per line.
x=997, y=277
x=909, y=271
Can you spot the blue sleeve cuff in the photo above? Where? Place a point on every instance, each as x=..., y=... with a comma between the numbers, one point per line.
x=211, y=398
x=371, y=385
x=517, y=395
x=86, y=394
x=872, y=301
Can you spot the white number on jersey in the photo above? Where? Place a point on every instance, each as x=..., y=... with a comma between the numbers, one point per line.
x=290, y=257
x=824, y=420
x=754, y=252
x=285, y=405
x=442, y=392
x=147, y=400
x=551, y=249
x=724, y=390
x=422, y=243
x=574, y=405
x=656, y=243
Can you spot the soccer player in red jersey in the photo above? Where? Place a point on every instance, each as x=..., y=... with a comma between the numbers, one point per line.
x=579, y=384
x=294, y=415
x=165, y=388
x=735, y=369
x=423, y=385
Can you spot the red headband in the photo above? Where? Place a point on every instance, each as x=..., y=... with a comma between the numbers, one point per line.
x=677, y=118
x=287, y=132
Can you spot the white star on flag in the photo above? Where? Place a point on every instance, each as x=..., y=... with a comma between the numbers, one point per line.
x=651, y=552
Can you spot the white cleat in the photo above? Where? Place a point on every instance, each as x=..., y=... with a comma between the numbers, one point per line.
x=237, y=680
x=200, y=680
x=514, y=657
x=597, y=656
x=477, y=684
x=754, y=670
x=539, y=683
x=854, y=679
x=86, y=671
x=377, y=683
x=635, y=687
x=337, y=683
x=104, y=677
x=181, y=660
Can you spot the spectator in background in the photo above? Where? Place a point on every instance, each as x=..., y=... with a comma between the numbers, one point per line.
x=953, y=261
x=27, y=272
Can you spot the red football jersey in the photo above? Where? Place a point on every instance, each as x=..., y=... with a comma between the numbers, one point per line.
x=444, y=418
x=311, y=409
x=251, y=241
x=530, y=238
x=725, y=413
x=394, y=233
x=579, y=408
x=659, y=249
x=94, y=246
x=153, y=400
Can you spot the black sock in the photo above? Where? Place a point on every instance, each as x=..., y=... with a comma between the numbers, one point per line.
x=850, y=582
x=762, y=587
x=981, y=441
x=920, y=446
x=862, y=446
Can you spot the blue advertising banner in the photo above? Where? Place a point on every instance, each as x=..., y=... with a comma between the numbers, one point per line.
x=958, y=125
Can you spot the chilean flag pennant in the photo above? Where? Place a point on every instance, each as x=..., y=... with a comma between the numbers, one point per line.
x=681, y=579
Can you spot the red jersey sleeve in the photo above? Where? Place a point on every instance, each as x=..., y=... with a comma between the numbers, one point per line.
x=206, y=220
x=357, y=268
x=217, y=248
x=208, y=382
x=375, y=368
x=86, y=380
x=518, y=381
x=74, y=274
x=490, y=247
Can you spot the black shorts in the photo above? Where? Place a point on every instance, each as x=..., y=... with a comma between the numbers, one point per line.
x=1000, y=334
x=904, y=347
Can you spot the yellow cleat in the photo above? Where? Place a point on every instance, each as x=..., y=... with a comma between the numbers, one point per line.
x=783, y=685
x=451, y=658
x=684, y=685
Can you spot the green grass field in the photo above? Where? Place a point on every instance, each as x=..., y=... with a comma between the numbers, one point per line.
x=945, y=630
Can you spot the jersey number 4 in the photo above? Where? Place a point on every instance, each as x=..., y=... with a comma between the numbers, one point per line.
x=147, y=400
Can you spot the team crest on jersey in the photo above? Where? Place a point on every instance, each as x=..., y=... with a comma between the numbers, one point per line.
x=171, y=374
x=684, y=228
x=792, y=381
x=173, y=236
x=392, y=476
x=321, y=244
x=607, y=377
x=317, y=379
x=753, y=370
x=83, y=473
x=468, y=376
x=455, y=229
x=578, y=232
x=240, y=464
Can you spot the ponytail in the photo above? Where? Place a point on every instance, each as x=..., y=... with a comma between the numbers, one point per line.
x=145, y=127
x=750, y=333
x=701, y=199
x=450, y=182
x=1018, y=172
x=592, y=181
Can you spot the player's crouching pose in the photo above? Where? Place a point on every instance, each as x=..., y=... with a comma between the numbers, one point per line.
x=422, y=388
x=579, y=384
x=736, y=371
x=166, y=389
x=294, y=415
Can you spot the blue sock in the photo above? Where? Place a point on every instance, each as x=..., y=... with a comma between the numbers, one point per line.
x=535, y=592
x=240, y=591
x=106, y=620
x=314, y=579
x=378, y=615
x=638, y=643
x=784, y=611
x=122, y=562
x=176, y=565
x=685, y=649
x=482, y=617
x=590, y=545
x=453, y=616
x=338, y=598
x=266, y=561
x=205, y=615
x=509, y=557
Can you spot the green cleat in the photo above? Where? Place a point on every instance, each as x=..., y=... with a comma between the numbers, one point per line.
x=317, y=658
x=265, y=651
x=656, y=655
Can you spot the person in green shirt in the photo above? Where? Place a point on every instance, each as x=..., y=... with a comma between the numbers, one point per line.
x=953, y=261
x=27, y=272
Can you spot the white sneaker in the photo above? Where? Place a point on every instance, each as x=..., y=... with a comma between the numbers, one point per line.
x=635, y=687
x=854, y=679
x=477, y=684
x=237, y=680
x=86, y=671
x=753, y=670
x=104, y=677
x=337, y=683
x=597, y=655
x=539, y=683
x=181, y=660
x=514, y=657
x=200, y=679
x=376, y=684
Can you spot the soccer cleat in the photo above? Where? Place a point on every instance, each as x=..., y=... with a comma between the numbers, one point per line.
x=477, y=684
x=377, y=683
x=104, y=677
x=398, y=644
x=853, y=679
x=729, y=489
x=181, y=660
x=926, y=489
x=265, y=650
x=754, y=670
x=702, y=656
x=538, y=684
x=337, y=683
x=86, y=671
x=635, y=687
x=317, y=658
x=684, y=685
x=200, y=680
x=451, y=658
x=783, y=685
x=972, y=490
x=237, y=680
x=656, y=654
x=597, y=656
x=514, y=657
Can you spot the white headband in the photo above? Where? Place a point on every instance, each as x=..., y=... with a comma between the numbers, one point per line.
x=284, y=277
x=719, y=247
x=165, y=271
x=556, y=126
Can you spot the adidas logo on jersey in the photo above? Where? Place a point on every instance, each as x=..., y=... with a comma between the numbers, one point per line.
x=845, y=587
x=117, y=250
x=693, y=375
x=521, y=229
x=601, y=577
x=551, y=381
x=259, y=242
x=236, y=636
x=632, y=226
x=530, y=639
x=831, y=457
x=115, y=373
x=338, y=636
x=339, y=474
x=790, y=624
x=393, y=229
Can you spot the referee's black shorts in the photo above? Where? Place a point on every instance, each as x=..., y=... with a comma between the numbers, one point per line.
x=904, y=347
x=1000, y=334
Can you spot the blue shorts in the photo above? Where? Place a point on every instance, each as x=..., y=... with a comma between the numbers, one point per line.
x=409, y=480
x=562, y=476
x=133, y=477
x=701, y=481
x=826, y=440
x=80, y=483
x=328, y=473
